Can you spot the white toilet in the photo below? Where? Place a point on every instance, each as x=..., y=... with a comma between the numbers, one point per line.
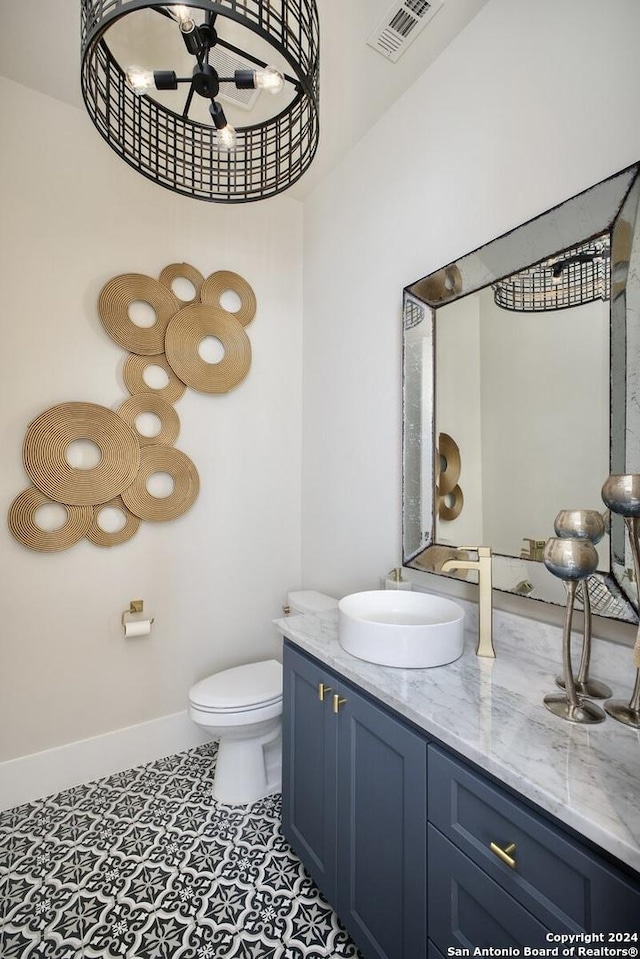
x=242, y=707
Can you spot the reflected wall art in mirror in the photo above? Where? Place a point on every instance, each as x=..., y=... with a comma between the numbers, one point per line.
x=527, y=352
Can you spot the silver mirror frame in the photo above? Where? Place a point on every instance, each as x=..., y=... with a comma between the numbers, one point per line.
x=612, y=207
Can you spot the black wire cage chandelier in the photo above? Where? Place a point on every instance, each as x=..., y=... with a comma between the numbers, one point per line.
x=208, y=159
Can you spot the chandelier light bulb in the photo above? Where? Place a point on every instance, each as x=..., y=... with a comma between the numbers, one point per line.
x=269, y=79
x=179, y=12
x=226, y=137
x=188, y=25
x=139, y=80
x=225, y=133
x=182, y=15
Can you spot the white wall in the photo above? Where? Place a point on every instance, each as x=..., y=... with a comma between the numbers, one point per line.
x=73, y=216
x=473, y=149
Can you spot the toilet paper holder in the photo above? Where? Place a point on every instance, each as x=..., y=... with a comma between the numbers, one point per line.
x=135, y=606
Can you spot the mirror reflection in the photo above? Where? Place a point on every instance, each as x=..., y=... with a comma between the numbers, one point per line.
x=519, y=393
x=521, y=398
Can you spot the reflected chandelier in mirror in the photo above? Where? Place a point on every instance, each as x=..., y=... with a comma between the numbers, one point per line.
x=527, y=352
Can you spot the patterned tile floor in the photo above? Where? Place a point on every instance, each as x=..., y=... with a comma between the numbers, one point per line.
x=145, y=865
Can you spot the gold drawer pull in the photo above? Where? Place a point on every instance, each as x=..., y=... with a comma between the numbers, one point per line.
x=322, y=691
x=505, y=854
x=337, y=702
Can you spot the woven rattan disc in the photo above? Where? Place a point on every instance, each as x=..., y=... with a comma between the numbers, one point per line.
x=133, y=375
x=113, y=306
x=101, y=537
x=185, y=271
x=23, y=525
x=186, y=331
x=148, y=403
x=216, y=284
x=163, y=459
x=45, y=446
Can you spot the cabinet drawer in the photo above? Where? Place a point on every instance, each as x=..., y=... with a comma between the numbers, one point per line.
x=568, y=887
x=468, y=909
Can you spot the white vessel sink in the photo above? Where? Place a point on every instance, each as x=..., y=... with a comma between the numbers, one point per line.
x=401, y=628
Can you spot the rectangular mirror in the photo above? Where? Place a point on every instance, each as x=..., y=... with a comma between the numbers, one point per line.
x=521, y=379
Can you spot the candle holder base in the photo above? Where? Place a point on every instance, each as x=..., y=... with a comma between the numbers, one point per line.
x=583, y=712
x=593, y=688
x=623, y=712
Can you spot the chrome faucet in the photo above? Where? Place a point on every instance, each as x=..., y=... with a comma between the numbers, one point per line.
x=485, y=610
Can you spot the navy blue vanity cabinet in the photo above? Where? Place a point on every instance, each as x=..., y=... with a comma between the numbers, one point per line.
x=352, y=769
x=405, y=839
x=500, y=874
x=309, y=759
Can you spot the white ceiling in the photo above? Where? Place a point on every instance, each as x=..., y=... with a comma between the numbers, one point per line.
x=39, y=47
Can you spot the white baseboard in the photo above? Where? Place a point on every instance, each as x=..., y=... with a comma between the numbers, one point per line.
x=40, y=774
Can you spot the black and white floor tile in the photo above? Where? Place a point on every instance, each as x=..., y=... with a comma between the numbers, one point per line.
x=146, y=865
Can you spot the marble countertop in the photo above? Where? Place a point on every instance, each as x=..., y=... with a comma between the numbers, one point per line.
x=492, y=712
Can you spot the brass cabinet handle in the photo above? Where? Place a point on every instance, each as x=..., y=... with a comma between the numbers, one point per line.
x=337, y=702
x=505, y=854
x=322, y=691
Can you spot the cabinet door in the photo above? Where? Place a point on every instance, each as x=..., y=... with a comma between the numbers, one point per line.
x=467, y=909
x=309, y=742
x=381, y=831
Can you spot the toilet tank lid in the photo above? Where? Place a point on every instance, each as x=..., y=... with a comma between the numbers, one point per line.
x=310, y=601
x=254, y=684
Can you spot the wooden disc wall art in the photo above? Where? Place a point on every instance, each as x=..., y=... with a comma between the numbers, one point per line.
x=188, y=328
x=183, y=271
x=24, y=526
x=133, y=375
x=218, y=283
x=186, y=483
x=45, y=460
x=113, y=306
x=101, y=537
x=131, y=409
x=128, y=458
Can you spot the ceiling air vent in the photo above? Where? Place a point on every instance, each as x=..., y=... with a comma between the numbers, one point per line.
x=225, y=65
x=401, y=26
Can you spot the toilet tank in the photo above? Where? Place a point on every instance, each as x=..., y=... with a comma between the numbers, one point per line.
x=309, y=601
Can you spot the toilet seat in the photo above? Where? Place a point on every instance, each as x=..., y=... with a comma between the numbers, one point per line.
x=239, y=689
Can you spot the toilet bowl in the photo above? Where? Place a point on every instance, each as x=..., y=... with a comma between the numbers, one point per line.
x=242, y=707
